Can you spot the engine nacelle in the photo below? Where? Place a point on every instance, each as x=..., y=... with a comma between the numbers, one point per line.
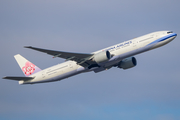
x=102, y=57
x=127, y=63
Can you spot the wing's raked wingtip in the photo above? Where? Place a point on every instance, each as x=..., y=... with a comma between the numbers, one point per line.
x=27, y=46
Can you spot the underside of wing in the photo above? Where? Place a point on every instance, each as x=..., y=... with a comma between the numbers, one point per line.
x=18, y=78
x=81, y=58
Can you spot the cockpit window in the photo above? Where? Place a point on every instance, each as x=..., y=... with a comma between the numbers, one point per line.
x=169, y=32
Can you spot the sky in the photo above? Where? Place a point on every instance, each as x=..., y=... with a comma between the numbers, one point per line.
x=149, y=91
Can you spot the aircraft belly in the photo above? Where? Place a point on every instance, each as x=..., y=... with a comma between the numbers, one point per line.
x=59, y=75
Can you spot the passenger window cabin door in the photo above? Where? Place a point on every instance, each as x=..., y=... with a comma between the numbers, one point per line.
x=43, y=74
x=135, y=44
x=70, y=65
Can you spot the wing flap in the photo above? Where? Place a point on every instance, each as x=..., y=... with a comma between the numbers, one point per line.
x=81, y=58
x=18, y=78
x=61, y=54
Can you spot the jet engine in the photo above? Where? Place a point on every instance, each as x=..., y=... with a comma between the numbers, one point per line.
x=102, y=57
x=127, y=63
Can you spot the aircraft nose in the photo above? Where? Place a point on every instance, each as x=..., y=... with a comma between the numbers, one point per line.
x=175, y=34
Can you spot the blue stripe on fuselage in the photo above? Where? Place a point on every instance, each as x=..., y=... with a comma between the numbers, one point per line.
x=141, y=49
x=162, y=39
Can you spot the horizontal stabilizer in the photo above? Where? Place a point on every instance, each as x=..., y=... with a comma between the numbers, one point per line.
x=18, y=78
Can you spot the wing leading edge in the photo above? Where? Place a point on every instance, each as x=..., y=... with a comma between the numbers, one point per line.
x=81, y=58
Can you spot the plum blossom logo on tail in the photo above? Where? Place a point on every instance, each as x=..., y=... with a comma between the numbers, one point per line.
x=28, y=69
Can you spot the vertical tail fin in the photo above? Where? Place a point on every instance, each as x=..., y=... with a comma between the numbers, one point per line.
x=26, y=66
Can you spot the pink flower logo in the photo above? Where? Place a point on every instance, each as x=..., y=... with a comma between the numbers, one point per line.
x=29, y=68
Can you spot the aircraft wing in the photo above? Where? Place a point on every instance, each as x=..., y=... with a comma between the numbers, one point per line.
x=81, y=58
x=18, y=78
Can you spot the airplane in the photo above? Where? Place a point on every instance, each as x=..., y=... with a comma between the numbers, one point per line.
x=119, y=55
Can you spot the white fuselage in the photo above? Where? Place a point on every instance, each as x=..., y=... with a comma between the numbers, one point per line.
x=119, y=52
